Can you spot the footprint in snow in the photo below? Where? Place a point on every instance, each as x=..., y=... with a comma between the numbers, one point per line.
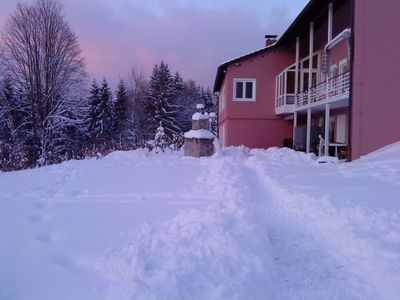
x=40, y=204
x=44, y=238
x=37, y=219
x=47, y=238
x=66, y=263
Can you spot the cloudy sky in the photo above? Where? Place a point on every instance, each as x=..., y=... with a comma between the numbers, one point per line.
x=192, y=36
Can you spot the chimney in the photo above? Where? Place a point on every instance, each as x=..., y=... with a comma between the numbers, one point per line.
x=270, y=39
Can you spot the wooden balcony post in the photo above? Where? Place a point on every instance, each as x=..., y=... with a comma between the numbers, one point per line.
x=327, y=128
x=308, y=134
x=296, y=75
x=294, y=126
x=310, y=61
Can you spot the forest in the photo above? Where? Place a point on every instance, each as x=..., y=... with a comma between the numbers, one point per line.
x=51, y=110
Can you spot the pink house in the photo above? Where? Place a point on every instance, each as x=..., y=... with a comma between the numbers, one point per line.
x=329, y=83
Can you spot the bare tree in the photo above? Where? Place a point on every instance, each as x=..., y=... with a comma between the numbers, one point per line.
x=42, y=57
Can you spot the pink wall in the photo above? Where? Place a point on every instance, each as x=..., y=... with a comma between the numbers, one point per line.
x=339, y=52
x=254, y=124
x=376, y=78
x=257, y=133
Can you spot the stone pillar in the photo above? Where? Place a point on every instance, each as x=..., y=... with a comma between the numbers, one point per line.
x=199, y=140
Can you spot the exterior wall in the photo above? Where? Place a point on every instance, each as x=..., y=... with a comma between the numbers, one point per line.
x=254, y=124
x=341, y=21
x=257, y=133
x=339, y=52
x=376, y=76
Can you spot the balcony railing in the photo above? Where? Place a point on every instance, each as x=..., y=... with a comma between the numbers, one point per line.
x=333, y=89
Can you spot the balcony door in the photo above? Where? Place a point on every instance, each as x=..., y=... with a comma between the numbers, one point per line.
x=304, y=75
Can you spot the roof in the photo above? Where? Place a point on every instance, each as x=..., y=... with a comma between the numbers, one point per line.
x=312, y=11
x=219, y=78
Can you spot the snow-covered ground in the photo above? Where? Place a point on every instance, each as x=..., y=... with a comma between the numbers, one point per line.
x=259, y=224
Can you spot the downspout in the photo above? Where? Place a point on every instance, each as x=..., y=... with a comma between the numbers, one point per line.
x=351, y=41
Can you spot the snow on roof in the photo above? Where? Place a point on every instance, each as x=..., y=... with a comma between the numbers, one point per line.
x=199, y=134
x=221, y=68
x=200, y=116
x=247, y=54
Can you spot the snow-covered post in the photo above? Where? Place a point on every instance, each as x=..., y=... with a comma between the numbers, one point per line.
x=199, y=140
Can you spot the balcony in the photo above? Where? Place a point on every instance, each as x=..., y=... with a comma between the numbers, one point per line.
x=334, y=89
x=285, y=96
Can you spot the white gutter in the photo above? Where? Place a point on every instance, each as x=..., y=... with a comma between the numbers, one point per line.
x=345, y=34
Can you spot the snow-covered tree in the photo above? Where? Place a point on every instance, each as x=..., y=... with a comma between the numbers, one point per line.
x=92, y=121
x=160, y=97
x=42, y=57
x=209, y=100
x=105, y=111
x=140, y=130
x=98, y=118
x=120, y=114
x=160, y=139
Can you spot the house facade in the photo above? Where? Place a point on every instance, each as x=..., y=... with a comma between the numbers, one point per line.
x=328, y=83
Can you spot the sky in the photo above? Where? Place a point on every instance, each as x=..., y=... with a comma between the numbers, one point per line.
x=192, y=36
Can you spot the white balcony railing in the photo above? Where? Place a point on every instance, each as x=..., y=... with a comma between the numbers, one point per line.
x=330, y=90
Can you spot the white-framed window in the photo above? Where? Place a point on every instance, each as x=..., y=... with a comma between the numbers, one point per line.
x=333, y=71
x=244, y=89
x=343, y=67
x=341, y=128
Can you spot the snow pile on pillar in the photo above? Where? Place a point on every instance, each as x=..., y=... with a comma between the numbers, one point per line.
x=199, y=140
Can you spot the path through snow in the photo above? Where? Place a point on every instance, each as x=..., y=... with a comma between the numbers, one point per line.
x=243, y=224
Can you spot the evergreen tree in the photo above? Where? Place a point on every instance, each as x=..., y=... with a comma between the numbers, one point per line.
x=93, y=130
x=120, y=114
x=208, y=99
x=160, y=140
x=138, y=132
x=160, y=97
x=178, y=85
x=105, y=112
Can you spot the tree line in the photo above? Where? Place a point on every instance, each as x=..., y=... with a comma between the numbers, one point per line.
x=50, y=112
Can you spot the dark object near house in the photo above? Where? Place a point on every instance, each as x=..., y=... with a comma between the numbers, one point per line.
x=288, y=143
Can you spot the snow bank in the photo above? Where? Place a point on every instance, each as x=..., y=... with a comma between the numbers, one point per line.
x=390, y=152
x=284, y=156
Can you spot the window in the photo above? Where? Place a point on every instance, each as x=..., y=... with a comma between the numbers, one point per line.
x=244, y=90
x=343, y=67
x=341, y=128
x=333, y=72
